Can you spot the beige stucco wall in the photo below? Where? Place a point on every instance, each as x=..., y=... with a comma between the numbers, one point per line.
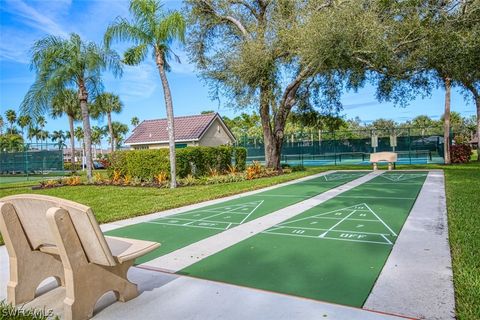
x=215, y=136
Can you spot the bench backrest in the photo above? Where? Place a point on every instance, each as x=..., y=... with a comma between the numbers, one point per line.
x=383, y=156
x=31, y=210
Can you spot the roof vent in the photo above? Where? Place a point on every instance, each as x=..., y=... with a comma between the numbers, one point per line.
x=149, y=135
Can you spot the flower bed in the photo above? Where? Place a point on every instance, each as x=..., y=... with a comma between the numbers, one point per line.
x=161, y=180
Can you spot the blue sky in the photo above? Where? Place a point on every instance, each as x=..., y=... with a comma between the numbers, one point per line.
x=22, y=22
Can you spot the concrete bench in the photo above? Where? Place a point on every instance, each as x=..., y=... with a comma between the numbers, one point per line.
x=390, y=157
x=51, y=237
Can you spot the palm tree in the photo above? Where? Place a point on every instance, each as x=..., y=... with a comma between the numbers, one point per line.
x=43, y=135
x=11, y=116
x=62, y=63
x=153, y=29
x=41, y=122
x=66, y=103
x=34, y=132
x=59, y=135
x=79, y=134
x=119, y=132
x=1, y=124
x=97, y=135
x=135, y=121
x=11, y=142
x=106, y=103
x=24, y=121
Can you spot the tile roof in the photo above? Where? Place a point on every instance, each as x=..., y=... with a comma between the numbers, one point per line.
x=186, y=128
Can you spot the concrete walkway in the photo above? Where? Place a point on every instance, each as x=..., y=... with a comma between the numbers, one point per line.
x=417, y=279
x=171, y=297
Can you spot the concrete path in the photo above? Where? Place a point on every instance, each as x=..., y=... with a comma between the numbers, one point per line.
x=417, y=279
x=171, y=297
x=182, y=258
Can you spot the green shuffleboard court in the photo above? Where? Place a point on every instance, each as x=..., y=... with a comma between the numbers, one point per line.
x=333, y=252
x=179, y=230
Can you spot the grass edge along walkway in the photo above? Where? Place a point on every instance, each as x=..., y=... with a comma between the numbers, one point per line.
x=182, y=229
x=291, y=258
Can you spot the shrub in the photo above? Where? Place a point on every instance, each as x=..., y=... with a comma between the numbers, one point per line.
x=161, y=177
x=72, y=181
x=460, y=153
x=240, y=158
x=298, y=168
x=67, y=166
x=195, y=161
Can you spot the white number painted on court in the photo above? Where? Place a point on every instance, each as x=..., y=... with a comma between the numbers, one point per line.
x=297, y=231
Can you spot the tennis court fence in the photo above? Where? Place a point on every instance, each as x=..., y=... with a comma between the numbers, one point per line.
x=35, y=160
x=413, y=146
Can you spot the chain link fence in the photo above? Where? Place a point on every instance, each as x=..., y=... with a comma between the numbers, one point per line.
x=312, y=148
x=34, y=162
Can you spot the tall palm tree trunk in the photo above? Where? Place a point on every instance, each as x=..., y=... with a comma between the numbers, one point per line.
x=87, y=134
x=110, y=130
x=170, y=120
x=72, y=141
x=477, y=102
x=446, y=125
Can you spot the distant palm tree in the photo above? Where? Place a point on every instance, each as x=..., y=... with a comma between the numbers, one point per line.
x=23, y=122
x=135, y=121
x=11, y=116
x=61, y=63
x=97, y=135
x=34, y=132
x=43, y=135
x=105, y=104
x=59, y=137
x=153, y=29
x=66, y=103
x=119, y=132
x=80, y=136
x=41, y=122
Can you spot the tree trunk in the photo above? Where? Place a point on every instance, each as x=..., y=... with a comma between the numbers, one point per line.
x=477, y=102
x=72, y=141
x=272, y=154
x=446, y=125
x=110, y=130
x=87, y=134
x=170, y=118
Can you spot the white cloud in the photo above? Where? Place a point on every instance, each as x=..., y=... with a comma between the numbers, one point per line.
x=360, y=104
x=137, y=82
x=33, y=17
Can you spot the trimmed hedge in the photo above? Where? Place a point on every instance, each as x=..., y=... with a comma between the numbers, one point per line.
x=195, y=161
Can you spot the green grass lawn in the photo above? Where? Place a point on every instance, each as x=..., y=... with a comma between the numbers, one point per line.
x=462, y=187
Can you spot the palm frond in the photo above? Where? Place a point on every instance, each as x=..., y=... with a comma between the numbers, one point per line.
x=121, y=29
x=135, y=55
x=170, y=28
